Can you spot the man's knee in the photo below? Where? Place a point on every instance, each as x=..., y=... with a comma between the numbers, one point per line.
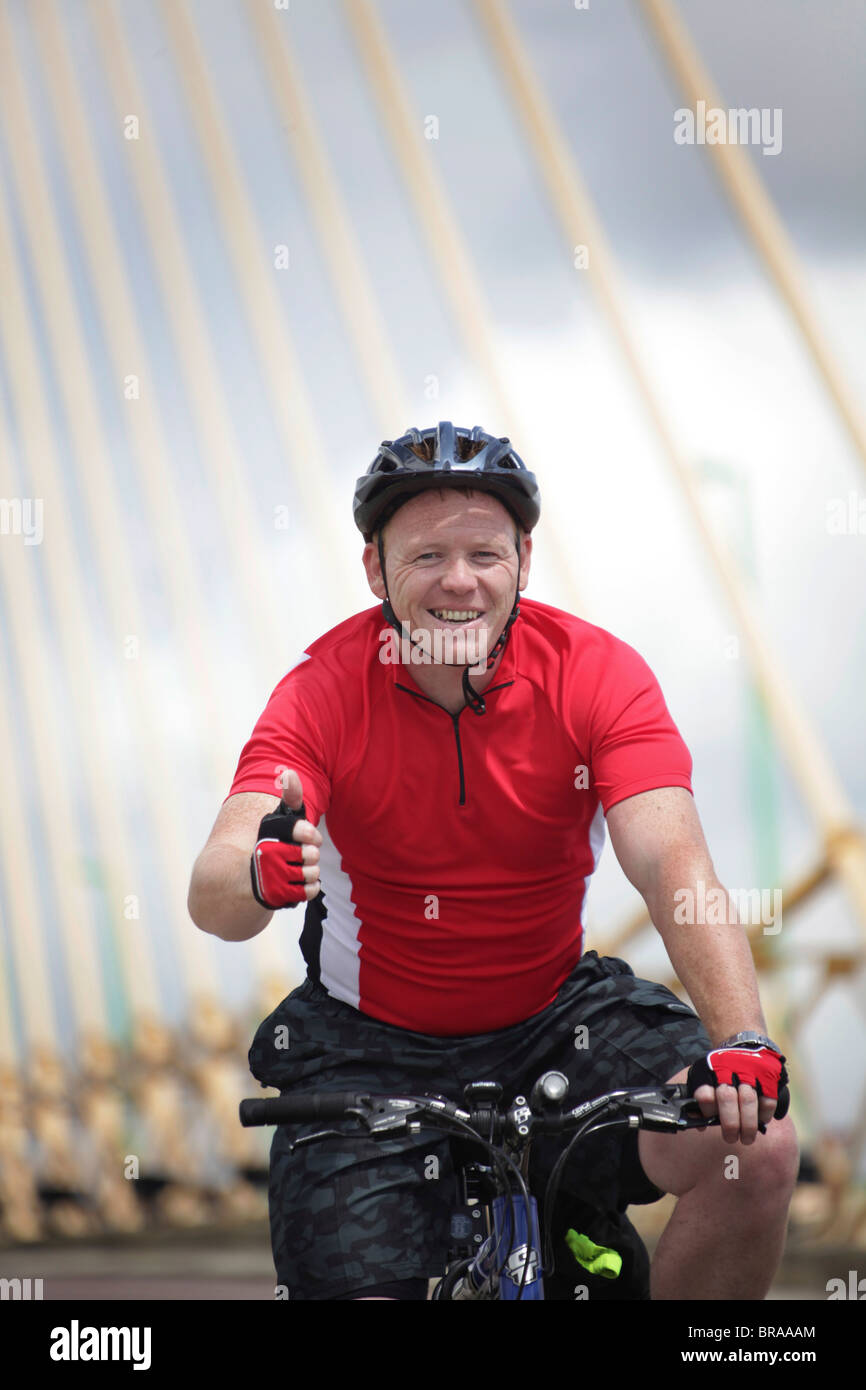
x=763, y=1173
x=768, y=1168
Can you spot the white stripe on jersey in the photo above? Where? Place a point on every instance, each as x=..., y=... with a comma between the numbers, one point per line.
x=597, y=839
x=338, y=960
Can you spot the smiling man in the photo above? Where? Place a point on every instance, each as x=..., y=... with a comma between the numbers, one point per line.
x=442, y=819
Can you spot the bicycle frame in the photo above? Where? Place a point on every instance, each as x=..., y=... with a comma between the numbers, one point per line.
x=520, y=1276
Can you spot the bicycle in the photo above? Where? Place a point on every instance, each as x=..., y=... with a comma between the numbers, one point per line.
x=497, y=1250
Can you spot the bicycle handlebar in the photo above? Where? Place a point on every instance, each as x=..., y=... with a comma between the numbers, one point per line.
x=663, y=1108
x=311, y=1105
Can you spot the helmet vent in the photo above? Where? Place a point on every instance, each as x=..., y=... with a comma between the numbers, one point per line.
x=424, y=450
x=465, y=448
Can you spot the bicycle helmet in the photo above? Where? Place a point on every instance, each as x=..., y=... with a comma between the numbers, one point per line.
x=446, y=456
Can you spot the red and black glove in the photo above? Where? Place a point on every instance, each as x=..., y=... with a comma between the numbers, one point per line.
x=744, y=1065
x=276, y=864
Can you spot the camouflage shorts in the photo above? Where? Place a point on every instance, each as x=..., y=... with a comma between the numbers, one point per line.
x=352, y=1213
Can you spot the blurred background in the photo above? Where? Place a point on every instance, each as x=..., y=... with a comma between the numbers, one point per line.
x=241, y=242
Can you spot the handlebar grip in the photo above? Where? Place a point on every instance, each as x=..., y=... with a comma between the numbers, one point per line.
x=287, y=1110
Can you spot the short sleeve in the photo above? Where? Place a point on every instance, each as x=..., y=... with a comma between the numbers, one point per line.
x=290, y=732
x=635, y=746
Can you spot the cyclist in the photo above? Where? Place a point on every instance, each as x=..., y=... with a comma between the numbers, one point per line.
x=434, y=779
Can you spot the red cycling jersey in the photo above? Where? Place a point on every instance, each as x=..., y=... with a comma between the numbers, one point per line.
x=458, y=848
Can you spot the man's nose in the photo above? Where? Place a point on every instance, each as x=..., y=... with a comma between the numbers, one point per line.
x=458, y=575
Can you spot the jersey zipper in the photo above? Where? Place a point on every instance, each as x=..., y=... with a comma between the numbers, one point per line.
x=454, y=721
x=454, y=718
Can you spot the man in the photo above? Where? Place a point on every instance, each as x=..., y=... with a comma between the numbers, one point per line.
x=442, y=807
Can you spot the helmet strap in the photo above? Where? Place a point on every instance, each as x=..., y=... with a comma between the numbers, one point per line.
x=387, y=611
x=474, y=700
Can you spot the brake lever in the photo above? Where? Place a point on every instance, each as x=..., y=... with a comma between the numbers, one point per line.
x=398, y=1113
x=667, y=1108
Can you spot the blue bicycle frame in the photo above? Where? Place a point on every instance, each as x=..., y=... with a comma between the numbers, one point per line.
x=520, y=1275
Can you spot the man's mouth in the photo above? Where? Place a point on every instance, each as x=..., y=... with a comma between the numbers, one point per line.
x=456, y=615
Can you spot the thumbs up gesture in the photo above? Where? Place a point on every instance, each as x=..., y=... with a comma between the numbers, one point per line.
x=284, y=867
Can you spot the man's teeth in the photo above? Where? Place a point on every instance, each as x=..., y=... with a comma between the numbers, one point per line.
x=452, y=615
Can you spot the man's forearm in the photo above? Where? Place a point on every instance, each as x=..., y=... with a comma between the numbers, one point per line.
x=220, y=899
x=714, y=962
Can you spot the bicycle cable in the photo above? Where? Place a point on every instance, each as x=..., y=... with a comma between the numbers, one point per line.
x=500, y=1159
x=551, y=1191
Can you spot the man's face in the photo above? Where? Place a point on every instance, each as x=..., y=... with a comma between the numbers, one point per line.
x=451, y=561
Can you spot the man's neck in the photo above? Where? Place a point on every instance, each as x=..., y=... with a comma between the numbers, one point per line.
x=444, y=684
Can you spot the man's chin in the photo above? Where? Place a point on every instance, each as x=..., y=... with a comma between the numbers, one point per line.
x=444, y=645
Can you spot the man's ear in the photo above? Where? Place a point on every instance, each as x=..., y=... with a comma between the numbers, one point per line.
x=370, y=558
x=526, y=555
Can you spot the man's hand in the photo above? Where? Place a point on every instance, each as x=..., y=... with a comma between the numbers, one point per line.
x=284, y=867
x=726, y=1081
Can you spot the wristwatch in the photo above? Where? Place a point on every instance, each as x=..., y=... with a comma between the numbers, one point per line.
x=749, y=1038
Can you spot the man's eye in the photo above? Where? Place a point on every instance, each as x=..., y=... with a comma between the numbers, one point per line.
x=479, y=554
